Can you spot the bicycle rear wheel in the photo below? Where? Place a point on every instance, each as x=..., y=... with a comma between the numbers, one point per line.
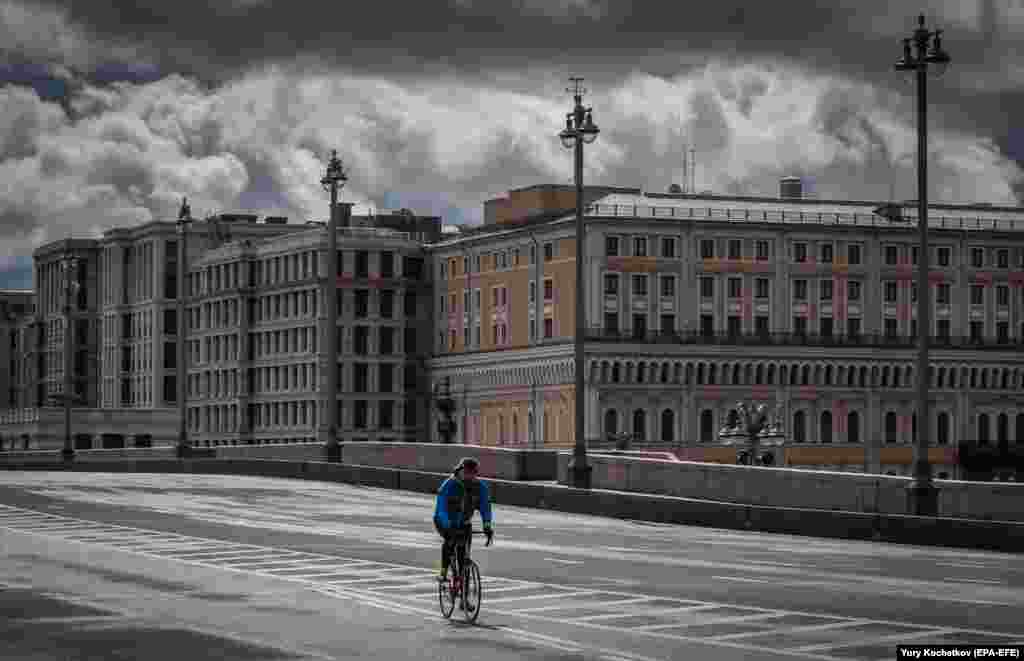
x=446, y=595
x=472, y=591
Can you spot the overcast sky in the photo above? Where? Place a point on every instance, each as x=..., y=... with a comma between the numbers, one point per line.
x=112, y=110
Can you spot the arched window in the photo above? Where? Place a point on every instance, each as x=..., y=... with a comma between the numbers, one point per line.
x=891, y=427
x=826, y=427
x=1003, y=428
x=639, y=425
x=913, y=428
x=501, y=429
x=799, y=427
x=611, y=422
x=1020, y=427
x=668, y=423
x=616, y=373
x=853, y=427
x=983, y=428
x=942, y=429
x=707, y=426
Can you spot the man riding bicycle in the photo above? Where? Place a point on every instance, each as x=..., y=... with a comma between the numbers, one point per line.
x=459, y=496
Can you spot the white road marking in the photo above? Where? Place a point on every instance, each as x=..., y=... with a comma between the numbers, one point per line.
x=895, y=638
x=982, y=581
x=586, y=605
x=720, y=621
x=741, y=579
x=657, y=612
x=565, y=562
x=110, y=533
x=794, y=630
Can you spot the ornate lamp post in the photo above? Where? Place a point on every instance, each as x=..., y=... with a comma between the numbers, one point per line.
x=579, y=129
x=923, y=495
x=69, y=269
x=184, y=219
x=334, y=179
x=752, y=424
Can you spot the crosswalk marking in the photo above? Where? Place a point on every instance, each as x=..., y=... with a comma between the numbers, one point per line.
x=724, y=620
x=547, y=595
x=877, y=640
x=586, y=605
x=802, y=629
x=659, y=612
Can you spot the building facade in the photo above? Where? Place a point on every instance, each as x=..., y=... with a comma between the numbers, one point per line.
x=696, y=302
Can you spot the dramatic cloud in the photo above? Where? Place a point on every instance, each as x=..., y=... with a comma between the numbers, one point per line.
x=438, y=106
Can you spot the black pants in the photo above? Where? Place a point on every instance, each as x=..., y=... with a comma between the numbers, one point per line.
x=451, y=536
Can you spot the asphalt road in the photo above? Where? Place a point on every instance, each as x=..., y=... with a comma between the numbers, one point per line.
x=135, y=566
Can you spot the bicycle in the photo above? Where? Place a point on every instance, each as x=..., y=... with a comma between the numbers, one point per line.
x=463, y=582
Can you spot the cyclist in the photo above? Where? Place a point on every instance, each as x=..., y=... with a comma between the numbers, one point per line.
x=459, y=496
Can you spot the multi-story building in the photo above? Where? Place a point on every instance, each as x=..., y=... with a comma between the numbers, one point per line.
x=697, y=301
x=16, y=308
x=256, y=338
x=256, y=325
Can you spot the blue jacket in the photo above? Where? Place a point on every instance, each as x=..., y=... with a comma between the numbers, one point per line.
x=456, y=504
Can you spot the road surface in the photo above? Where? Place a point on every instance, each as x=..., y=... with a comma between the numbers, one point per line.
x=142, y=566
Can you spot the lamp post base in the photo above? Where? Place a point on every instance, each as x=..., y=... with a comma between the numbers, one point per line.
x=184, y=449
x=67, y=454
x=580, y=472
x=923, y=498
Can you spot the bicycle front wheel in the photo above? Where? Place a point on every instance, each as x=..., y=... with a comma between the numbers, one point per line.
x=446, y=597
x=472, y=592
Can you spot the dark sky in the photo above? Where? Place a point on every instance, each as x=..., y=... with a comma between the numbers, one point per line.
x=114, y=109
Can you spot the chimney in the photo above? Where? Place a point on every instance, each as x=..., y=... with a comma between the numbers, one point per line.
x=791, y=188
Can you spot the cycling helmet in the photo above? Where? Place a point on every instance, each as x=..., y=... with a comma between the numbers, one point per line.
x=466, y=462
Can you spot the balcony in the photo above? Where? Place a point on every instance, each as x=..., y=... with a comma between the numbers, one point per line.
x=865, y=340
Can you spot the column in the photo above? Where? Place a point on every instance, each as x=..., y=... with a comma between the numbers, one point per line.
x=593, y=422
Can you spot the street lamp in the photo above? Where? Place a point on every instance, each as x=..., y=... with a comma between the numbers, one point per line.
x=334, y=179
x=923, y=495
x=69, y=269
x=184, y=219
x=579, y=129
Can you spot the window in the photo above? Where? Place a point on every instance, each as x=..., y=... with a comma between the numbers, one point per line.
x=533, y=254
x=533, y=292
x=914, y=251
x=640, y=246
x=977, y=330
x=825, y=290
x=735, y=249
x=1003, y=258
x=409, y=339
x=385, y=414
x=549, y=327
x=826, y=253
x=549, y=289
x=890, y=327
x=944, y=254
x=640, y=285
x=761, y=325
x=362, y=264
x=977, y=295
x=611, y=284
x=361, y=340
x=170, y=322
x=387, y=303
x=734, y=326
x=826, y=427
x=735, y=287
x=359, y=412
x=409, y=304
x=707, y=249
x=1002, y=295
x=977, y=257
x=363, y=303
x=360, y=377
x=762, y=251
x=799, y=290
x=942, y=328
x=800, y=325
x=761, y=288
x=913, y=293
x=942, y=294
x=387, y=264
x=611, y=322
x=639, y=326
x=611, y=246
x=1002, y=332
x=668, y=248
x=387, y=340
x=799, y=252
x=853, y=327
x=668, y=425
x=707, y=287
x=549, y=252
x=707, y=325
x=889, y=287
x=892, y=255
x=668, y=286
x=853, y=254
x=853, y=289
